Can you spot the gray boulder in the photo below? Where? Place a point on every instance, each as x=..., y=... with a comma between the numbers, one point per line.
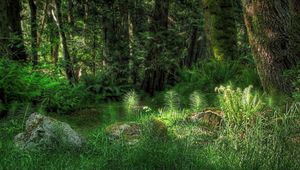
x=44, y=132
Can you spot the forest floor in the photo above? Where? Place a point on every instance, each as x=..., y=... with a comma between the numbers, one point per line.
x=182, y=149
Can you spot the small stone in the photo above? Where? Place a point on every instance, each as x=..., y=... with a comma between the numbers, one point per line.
x=130, y=132
x=210, y=117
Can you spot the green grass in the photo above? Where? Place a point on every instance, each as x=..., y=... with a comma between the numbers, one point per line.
x=265, y=143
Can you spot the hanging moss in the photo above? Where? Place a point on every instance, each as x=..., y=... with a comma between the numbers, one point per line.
x=222, y=29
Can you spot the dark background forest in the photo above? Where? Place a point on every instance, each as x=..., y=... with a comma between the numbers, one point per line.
x=150, y=84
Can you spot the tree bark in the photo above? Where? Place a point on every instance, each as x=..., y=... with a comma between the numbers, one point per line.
x=53, y=34
x=116, y=38
x=155, y=73
x=12, y=43
x=4, y=29
x=222, y=31
x=34, y=31
x=268, y=24
x=295, y=31
x=139, y=21
x=70, y=12
x=43, y=22
x=67, y=57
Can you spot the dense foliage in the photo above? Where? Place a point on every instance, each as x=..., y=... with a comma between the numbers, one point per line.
x=204, y=84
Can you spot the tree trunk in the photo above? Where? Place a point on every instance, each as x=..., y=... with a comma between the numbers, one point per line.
x=67, y=58
x=43, y=22
x=197, y=48
x=221, y=30
x=12, y=43
x=155, y=73
x=70, y=12
x=242, y=38
x=268, y=24
x=295, y=31
x=116, y=38
x=34, y=33
x=4, y=29
x=139, y=23
x=53, y=34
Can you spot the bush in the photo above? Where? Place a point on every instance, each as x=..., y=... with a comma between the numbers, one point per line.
x=104, y=86
x=209, y=74
x=239, y=106
x=20, y=83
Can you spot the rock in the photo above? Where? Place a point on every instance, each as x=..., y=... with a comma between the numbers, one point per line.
x=44, y=132
x=130, y=132
x=210, y=117
x=195, y=134
x=158, y=129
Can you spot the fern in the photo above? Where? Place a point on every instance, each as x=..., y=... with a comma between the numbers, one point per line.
x=131, y=101
x=172, y=100
x=197, y=102
x=240, y=106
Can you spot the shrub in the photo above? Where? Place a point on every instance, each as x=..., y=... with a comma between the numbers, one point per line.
x=20, y=83
x=104, y=86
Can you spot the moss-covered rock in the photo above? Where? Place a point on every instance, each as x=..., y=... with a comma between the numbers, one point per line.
x=211, y=117
x=43, y=132
x=157, y=128
x=130, y=132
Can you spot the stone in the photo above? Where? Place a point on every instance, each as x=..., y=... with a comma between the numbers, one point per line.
x=210, y=117
x=158, y=129
x=42, y=132
x=130, y=132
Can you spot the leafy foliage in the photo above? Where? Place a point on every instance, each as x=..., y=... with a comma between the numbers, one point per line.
x=21, y=83
x=104, y=86
x=240, y=106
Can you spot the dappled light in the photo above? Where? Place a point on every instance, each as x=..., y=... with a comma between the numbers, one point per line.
x=149, y=84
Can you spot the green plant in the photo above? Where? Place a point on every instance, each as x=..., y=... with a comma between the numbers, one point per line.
x=131, y=101
x=20, y=83
x=239, y=106
x=104, y=87
x=197, y=101
x=172, y=100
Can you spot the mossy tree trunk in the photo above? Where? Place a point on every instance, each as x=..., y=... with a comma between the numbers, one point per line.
x=12, y=43
x=295, y=31
x=34, y=31
x=269, y=25
x=197, y=46
x=155, y=72
x=221, y=28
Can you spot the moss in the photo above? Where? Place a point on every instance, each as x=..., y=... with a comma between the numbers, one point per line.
x=222, y=30
x=158, y=129
x=130, y=131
